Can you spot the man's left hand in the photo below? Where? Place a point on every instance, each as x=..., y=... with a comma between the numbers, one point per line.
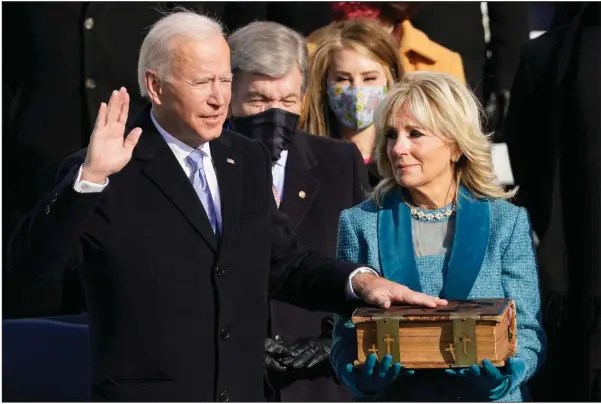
x=382, y=292
x=308, y=354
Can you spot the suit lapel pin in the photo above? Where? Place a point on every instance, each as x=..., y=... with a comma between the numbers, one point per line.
x=231, y=161
x=302, y=194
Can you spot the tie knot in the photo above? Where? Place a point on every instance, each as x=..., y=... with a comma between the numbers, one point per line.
x=195, y=159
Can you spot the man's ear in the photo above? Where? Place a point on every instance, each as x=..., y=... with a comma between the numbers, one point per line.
x=153, y=85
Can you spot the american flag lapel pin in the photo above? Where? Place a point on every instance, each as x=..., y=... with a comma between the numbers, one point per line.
x=231, y=161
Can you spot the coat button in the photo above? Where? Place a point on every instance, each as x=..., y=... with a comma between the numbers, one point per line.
x=88, y=23
x=220, y=271
x=225, y=333
x=90, y=84
x=224, y=396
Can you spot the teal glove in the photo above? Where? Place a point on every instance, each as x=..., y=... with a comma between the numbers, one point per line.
x=373, y=378
x=491, y=378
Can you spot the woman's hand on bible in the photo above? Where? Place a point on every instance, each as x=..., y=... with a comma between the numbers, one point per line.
x=492, y=379
x=374, y=377
x=109, y=151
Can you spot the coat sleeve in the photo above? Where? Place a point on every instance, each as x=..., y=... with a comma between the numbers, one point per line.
x=48, y=240
x=299, y=276
x=344, y=337
x=521, y=283
x=517, y=123
x=526, y=137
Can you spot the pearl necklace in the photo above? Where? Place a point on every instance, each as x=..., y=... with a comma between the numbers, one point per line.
x=432, y=216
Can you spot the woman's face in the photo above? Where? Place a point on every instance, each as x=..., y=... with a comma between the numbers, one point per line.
x=350, y=68
x=355, y=86
x=420, y=160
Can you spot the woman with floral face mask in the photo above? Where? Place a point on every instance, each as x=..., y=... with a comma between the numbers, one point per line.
x=350, y=73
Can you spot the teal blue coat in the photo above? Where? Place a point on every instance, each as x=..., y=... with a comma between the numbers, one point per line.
x=492, y=256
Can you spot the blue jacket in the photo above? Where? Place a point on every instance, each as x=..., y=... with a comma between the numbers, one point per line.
x=492, y=257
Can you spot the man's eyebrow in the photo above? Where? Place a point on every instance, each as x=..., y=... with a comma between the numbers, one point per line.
x=256, y=93
x=209, y=77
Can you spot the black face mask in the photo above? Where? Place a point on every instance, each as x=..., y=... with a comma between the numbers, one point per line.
x=274, y=127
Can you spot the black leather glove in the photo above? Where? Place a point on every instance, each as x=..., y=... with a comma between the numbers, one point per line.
x=276, y=349
x=308, y=354
x=306, y=359
x=279, y=377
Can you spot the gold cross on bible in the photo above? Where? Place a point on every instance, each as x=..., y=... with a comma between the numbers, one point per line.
x=465, y=339
x=451, y=349
x=388, y=341
x=373, y=349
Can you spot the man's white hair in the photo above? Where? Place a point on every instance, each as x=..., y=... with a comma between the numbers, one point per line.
x=156, y=49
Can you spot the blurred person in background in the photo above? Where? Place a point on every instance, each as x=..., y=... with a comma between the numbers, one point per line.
x=459, y=27
x=416, y=50
x=65, y=59
x=314, y=179
x=554, y=138
x=349, y=74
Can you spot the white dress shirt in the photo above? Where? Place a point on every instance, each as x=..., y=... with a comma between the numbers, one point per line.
x=181, y=151
x=278, y=172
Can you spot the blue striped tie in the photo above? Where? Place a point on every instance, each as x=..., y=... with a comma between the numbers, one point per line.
x=199, y=182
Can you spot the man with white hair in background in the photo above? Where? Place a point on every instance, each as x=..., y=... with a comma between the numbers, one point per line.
x=314, y=177
x=177, y=237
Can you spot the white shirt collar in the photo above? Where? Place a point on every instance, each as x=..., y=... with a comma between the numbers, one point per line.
x=282, y=160
x=179, y=148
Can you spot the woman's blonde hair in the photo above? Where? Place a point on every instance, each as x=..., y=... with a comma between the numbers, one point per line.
x=366, y=37
x=442, y=105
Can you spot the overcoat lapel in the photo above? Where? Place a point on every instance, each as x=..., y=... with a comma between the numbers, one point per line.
x=397, y=256
x=301, y=186
x=228, y=166
x=164, y=170
x=470, y=241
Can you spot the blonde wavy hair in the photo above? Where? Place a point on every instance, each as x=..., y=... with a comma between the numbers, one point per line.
x=442, y=105
x=366, y=37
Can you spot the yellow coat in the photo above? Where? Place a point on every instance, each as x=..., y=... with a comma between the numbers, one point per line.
x=418, y=52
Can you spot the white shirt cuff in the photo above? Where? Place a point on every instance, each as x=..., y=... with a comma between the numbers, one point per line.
x=350, y=293
x=86, y=187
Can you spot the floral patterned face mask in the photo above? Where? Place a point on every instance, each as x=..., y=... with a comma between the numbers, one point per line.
x=354, y=106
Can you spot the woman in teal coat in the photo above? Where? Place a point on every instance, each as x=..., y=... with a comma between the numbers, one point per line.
x=439, y=224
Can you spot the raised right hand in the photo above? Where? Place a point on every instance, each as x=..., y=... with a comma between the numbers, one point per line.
x=109, y=151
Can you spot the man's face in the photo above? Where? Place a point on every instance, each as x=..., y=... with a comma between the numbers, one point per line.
x=255, y=93
x=192, y=101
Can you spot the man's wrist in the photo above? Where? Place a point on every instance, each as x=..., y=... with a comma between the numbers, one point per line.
x=359, y=281
x=92, y=176
x=85, y=187
x=353, y=287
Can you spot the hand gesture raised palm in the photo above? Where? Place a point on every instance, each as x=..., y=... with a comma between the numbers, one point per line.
x=109, y=151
